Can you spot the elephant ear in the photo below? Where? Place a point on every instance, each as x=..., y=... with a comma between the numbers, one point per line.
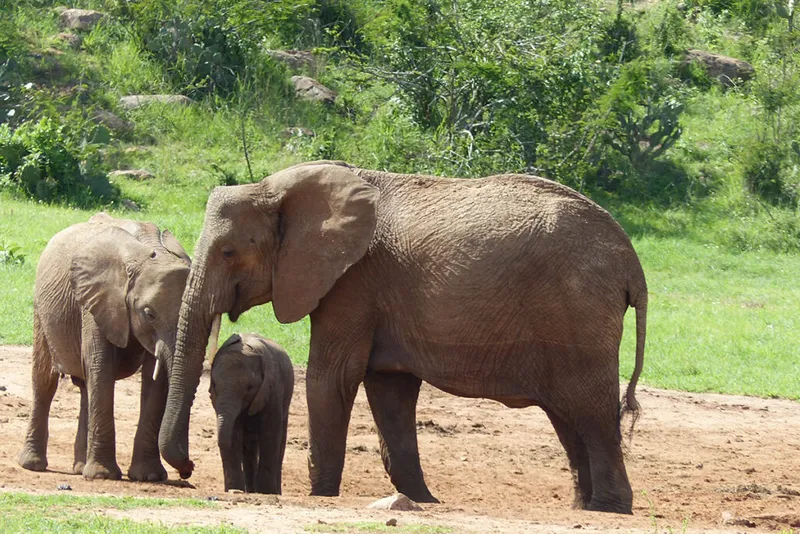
x=100, y=280
x=171, y=243
x=327, y=220
x=260, y=399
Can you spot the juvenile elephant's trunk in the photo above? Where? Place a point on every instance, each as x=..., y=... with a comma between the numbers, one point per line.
x=225, y=423
x=186, y=366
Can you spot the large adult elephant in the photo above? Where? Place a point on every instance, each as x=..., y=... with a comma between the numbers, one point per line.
x=509, y=287
x=106, y=303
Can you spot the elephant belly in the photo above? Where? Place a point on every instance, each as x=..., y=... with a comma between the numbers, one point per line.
x=507, y=375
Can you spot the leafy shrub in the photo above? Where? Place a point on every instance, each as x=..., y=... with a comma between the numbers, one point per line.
x=10, y=254
x=44, y=162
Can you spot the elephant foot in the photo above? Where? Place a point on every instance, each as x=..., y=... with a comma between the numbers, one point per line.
x=420, y=495
x=31, y=460
x=77, y=467
x=151, y=471
x=95, y=470
x=614, y=508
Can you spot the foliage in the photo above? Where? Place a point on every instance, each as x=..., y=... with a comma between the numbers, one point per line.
x=10, y=254
x=45, y=161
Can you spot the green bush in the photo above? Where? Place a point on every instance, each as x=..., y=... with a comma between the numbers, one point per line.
x=43, y=161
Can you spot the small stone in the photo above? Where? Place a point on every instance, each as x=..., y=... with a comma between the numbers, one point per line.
x=136, y=101
x=398, y=501
x=70, y=39
x=111, y=121
x=294, y=59
x=212, y=498
x=2, y=388
x=64, y=487
x=392, y=522
x=130, y=204
x=139, y=175
x=80, y=19
x=577, y=526
x=310, y=89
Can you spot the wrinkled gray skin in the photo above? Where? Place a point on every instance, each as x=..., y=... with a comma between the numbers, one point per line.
x=251, y=388
x=510, y=287
x=106, y=301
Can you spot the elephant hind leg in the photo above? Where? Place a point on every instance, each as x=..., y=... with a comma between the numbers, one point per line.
x=44, y=380
x=578, y=457
x=393, y=400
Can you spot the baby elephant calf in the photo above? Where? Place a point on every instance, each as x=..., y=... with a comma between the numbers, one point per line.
x=251, y=387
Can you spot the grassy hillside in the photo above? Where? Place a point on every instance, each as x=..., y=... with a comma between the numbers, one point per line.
x=703, y=176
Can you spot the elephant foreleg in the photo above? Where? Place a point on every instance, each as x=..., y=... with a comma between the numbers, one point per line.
x=83, y=429
x=578, y=460
x=44, y=379
x=100, y=369
x=250, y=441
x=146, y=461
x=393, y=400
x=330, y=405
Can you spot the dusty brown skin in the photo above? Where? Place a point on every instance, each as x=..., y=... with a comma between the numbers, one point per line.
x=509, y=287
x=106, y=303
x=251, y=387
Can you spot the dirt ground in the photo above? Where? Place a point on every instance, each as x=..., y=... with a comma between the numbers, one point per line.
x=697, y=463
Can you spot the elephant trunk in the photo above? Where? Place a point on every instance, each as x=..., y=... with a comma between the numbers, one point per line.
x=225, y=423
x=185, y=368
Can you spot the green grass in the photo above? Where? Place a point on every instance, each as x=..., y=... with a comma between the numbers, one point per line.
x=374, y=526
x=21, y=512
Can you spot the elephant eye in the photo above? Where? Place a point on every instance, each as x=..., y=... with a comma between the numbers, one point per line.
x=149, y=314
x=228, y=252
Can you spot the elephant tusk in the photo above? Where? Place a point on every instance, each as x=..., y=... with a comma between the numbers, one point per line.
x=212, y=348
x=157, y=369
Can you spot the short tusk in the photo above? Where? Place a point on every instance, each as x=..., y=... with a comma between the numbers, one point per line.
x=157, y=369
x=212, y=347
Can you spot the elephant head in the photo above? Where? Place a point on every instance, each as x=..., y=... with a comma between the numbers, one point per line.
x=286, y=239
x=130, y=277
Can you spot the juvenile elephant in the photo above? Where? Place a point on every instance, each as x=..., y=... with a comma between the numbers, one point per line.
x=252, y=381
x=510, y=287
x=106, y=303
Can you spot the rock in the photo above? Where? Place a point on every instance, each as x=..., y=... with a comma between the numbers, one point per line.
x=111, y=121
x=64, y=487
x=2, y=388
x=136, y=101
x=130, y=204
x=294, y=59
x=134, y=174
x=70, y=39
x=80, y=19
x=392, y=522
x=398, y=501
x=297, y=131
x=727, y=70
x=310, y=89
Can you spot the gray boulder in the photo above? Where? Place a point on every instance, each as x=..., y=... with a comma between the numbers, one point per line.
x=136, y=101
x=80, y=19
x=727, y=70
x=310, y=89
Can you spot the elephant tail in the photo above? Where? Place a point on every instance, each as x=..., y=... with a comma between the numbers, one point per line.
x=637, y=299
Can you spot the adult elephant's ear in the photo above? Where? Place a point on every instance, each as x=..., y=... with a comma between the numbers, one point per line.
x=327, y=219
x=100, y=280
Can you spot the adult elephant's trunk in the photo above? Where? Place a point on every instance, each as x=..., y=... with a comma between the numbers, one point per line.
x=186, y=366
